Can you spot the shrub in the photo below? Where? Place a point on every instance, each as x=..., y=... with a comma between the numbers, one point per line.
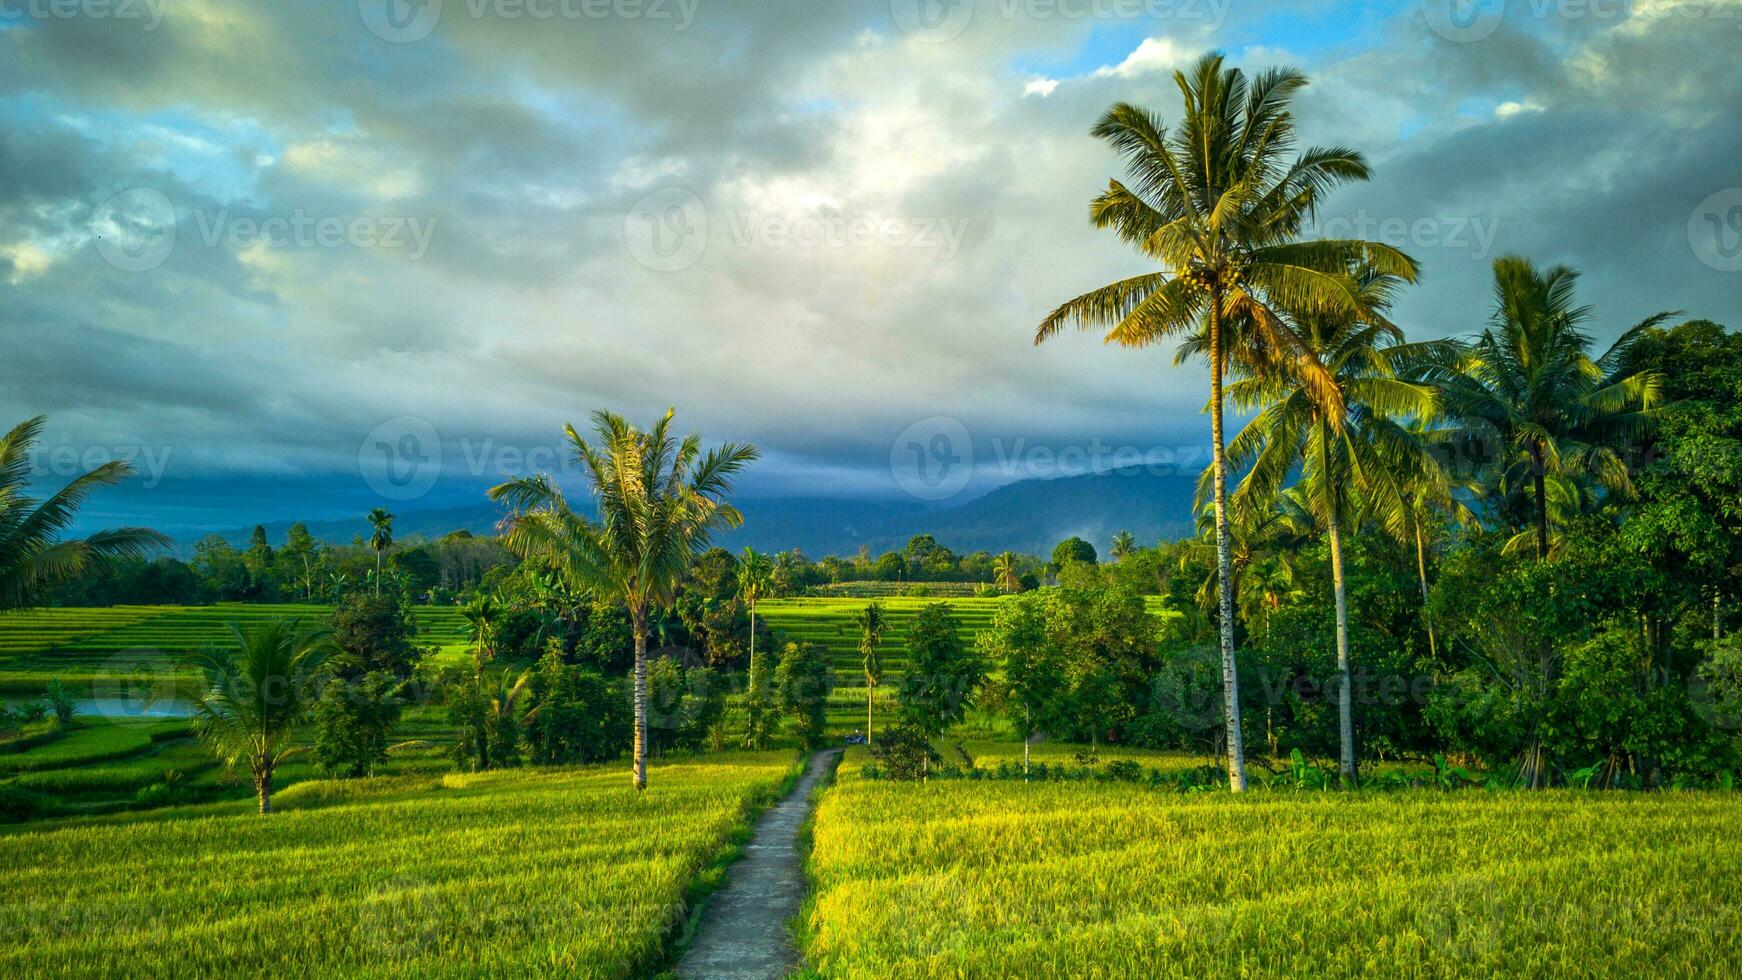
x=61, y=702
x=903, y=753
x=353, y=722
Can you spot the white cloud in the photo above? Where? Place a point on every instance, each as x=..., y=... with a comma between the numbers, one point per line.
x=1154, y=54
x=1042, y=87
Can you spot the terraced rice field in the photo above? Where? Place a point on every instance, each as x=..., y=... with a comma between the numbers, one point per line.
x=549, y=872
x=828, y=623
x=139, y=644
x=960, y=878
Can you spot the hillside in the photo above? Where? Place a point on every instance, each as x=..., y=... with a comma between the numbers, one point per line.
x=1028, y=516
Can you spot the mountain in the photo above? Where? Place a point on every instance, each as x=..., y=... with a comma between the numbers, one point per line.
x=1028, y=516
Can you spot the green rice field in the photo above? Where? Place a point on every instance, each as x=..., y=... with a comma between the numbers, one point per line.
x=526, y=872
x=1004, y=878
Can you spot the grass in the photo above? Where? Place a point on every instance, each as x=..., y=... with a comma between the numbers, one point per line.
x=88, y=741
x=505, y=873
x=1108, y=879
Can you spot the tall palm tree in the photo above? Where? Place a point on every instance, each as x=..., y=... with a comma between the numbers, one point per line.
x=1529, y=390
x=755, y=578
x=1352, y=463
x=481, y=616
x=872, y=625
x=1220, y=203
x=31, y=557
x=1005, y=572
x=659, y=500
x=380, y=539
x=258, y=691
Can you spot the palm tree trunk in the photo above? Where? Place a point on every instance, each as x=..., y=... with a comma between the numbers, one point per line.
x=639, y=772
x=1539, y=471
x=378, y=572
x=1433, y=647
x=1224, y=556
x=870, y=691
x=1345, y=679
x=263, y=788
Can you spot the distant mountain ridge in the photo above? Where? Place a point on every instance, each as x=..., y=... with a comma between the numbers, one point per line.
x=1028, y=516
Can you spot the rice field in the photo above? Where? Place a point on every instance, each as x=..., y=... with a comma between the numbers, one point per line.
x=959, y=878
x=550, y=872
x=128, y=646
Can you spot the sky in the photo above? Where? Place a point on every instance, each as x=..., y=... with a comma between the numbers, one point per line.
x=300, y=259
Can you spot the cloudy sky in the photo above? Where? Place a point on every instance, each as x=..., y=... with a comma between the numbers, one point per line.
x=297, y=257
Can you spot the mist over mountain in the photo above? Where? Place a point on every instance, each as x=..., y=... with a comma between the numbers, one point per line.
x=1028, y=516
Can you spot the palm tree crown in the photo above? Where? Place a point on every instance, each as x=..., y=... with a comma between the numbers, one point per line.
x=31, y=556
x=1532, y=403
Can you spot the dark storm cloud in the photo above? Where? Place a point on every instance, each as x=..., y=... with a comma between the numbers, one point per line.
x=529, y=149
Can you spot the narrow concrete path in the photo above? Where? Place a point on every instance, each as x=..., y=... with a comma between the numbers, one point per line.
x=743, y=933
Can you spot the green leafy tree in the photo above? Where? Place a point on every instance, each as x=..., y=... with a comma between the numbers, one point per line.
x=1006, y=571
x=1220, y=203
x=32, y=556
x=759, y=703
x=577, y=717
x=258, y=690
x=1074, y=550
x=802, y=682
x=941, y=678
x=1016, y=640
x=659, y=500
x=489, y=717
x=872, y=625
x=374, y=633
x=354, y=722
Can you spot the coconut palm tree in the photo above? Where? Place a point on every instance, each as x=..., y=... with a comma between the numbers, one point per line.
x=872, y=625
x=1219, y=204
x=1432, y=496
x=658, y=499
x=481, y=616
x=1351, y=464
x=1530, y=394
x=1005, y=572
x=380, y=539
x=31, y=557
x=755, y=578
x=1123, y=544
x=258, y=691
